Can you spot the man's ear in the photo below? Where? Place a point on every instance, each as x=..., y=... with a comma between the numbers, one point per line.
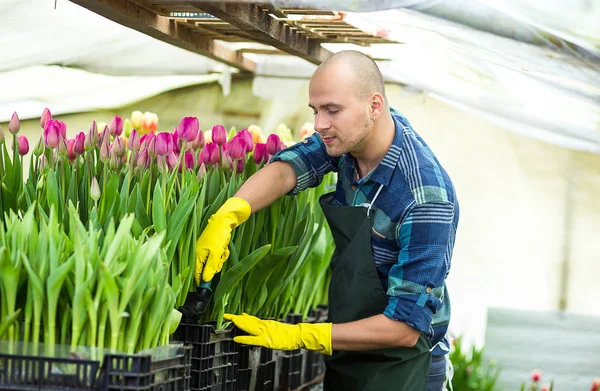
x=377, y=105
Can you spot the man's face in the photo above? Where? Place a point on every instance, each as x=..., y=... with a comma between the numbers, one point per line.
x=341, y=118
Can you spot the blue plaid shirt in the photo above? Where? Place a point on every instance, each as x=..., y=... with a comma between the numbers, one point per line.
x=415, y=221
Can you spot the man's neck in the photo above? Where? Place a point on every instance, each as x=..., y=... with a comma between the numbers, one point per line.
x=379, y=142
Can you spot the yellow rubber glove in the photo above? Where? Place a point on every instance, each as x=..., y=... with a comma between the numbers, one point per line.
x=281, y=336
x=212, y=246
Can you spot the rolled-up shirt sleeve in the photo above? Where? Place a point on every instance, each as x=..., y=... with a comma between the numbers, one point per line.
x=416, y=281
x=310, y=161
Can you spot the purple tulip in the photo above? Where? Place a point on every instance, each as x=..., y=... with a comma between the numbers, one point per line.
x=189, y=161
x=219, y=135
x=91, y=139
x=52, y=134
x=247, y=137
x=46, y=115
x=105, y=151
x=104, y=135
x=188, y=128
x=273, y=144
x=236, y=148
x=116, y=126
x=240, y=166
x=63, y=129
x=198, y=141
x=118, y=147
x=163, y=144
x=210, y=153
x=143, y=160
x=23, y=145
x=145, y=140
x=79, y=147
x=134, y=142
x=14, y=125
x=260, y=153
x=172, y=159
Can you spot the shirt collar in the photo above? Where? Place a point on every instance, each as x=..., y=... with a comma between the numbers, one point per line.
x=382, y=174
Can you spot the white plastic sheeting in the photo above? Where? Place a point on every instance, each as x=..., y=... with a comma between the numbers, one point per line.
x=532, y=67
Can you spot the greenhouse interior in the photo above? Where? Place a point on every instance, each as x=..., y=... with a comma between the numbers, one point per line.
x=186, y=187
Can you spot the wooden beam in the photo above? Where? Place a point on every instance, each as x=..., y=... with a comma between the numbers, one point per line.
x=165, y=29
x=252, y=20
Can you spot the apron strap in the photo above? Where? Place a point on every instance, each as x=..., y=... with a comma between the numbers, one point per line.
x=373, y=201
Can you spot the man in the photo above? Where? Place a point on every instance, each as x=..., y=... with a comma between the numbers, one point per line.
x=393, y=217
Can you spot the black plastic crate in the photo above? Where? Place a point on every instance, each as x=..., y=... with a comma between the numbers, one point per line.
x=265, y=376
x=119, y=372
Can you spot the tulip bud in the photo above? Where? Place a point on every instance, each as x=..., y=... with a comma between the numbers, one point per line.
x=188, y=128
x=198, y=141
x=201, y=171
x=46, y=115
x=42, y=181
x=118, y=147
x=2, y=138
x=114, y=161
x=43, y=164
x=104, y=135
x=260, y=154
x=70, y=149
x=143, y=160
x=240, y=166
x=105, y=152
x=62, y=147
x=52, y=135
x=23, y=145
x=246, y=136
x=152, y=146
x=127, y=128
x=94, y=133
x=95, y=192
x=38, y=150
x=536, y=375
x=79, y=147
x=273, y=144
x=172, y=159
x=219, y=135
x=134, y=141
x=189, y=161
x=14, y=125
x=116, y=126
x=236, y=148
x=163, y=144
x=162, y=165
x=136, y=119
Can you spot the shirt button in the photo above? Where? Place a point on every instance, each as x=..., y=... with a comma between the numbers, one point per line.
x=428, y=290
x=353, y=187
x=305, y=141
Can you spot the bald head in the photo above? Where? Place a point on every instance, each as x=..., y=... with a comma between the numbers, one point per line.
x=358, y=69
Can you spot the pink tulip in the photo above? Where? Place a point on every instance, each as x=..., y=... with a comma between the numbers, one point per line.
x=236, y=148
x=62, y=147
x=219, y=135
x=240, y=166
x=188, y=128
x=134, y=142
x=79, y=147
x=273, y=144
x=52, y=134
x=63, y=129
x=172, y=159
x=210, y=153
x=163, y=144
x=198, y=141
x=23, y=145
x=260, y=153
x=70, y=149
x=91, y=139
x=188, y=161
x=104, y=135
x=201, y=171
x=145, y=140
x=46, y=115
x=143, y=160
x=176, y=140
x=247, y=137
x=118, y=147
x=162, y=165
x=114, y=162
x=105, y=151
x=14, y=125
x=116, y=126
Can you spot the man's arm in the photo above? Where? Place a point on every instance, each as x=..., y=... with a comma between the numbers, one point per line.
x=268, y=185
x=375, y=332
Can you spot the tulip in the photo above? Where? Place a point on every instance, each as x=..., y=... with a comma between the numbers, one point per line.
x=143, y=160
x=62, y=147
x=39, y=147
x=210, y=153
x=137, y=118
x=95, y=192
x=134, y=141
x=91, y=139
x=536, y=375
x=256, y=132
x=14, y=125
x=70, y=149
x=188, y=161
x=284, y=133
x=152, y=146
x=46, y=115
x=273, y=144
x=114, y=161
x=116, y=126
x=219, y=135
x=545, y=387
x=198, y=141
x=43, y=164
x=260, y=154
x=127, y=127
x=188, y=128
x=236, y=148
x=105, y=152
x=145, y=140
x=104, y=135
x=176, y=141
x=207, y=136
x=149, y=122
x=163, y=144
x=52, y=135
x=63, y=129
x=2, y=138
x=201, y=171
x=226, y=160
x=162, y=165
x=172, y=159
x=248, y=140
x=240, y=166
x=23, y=145
x=118, y=147
x=307, y=130
x=79, y=147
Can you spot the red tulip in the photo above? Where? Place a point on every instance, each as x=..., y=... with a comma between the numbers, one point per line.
x=536, y=375
x=52, y=134
x=188, y=128
x=14, y=125
x=273, y=144
x=219, y=135
x=70, y=149
x=116, y=126
x=23, y=145
x=46, y=115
